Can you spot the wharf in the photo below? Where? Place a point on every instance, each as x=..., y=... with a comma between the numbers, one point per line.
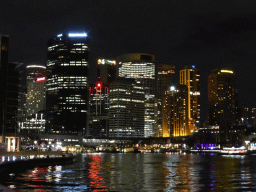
x=18, y=161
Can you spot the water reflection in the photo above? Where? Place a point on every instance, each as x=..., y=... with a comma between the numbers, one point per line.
x=97, y=183
x=182, y=179
x=142, y=172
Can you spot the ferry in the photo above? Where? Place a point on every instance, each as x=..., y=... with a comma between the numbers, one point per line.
x=233, y=151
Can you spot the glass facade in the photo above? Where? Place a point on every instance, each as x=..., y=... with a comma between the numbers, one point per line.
x=67, y=84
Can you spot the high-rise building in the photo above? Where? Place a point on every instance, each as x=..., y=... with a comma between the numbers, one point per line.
x=9, y=86
x=67, y=96
x=106, y=70
x=222, y=97
x=36, y=89
x=175, y=114
x=165, y=78
x=191, y=78
x=99, y=109
x=4, y=45
x=126, y=108
x=141, y=67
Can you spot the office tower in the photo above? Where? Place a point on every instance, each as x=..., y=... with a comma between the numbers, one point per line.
x=99, y=108
x=191, y=78
x=4, y=45
x=126, y=108
x=9, y=85
x=141, y=67
x=67, y=96
x=222, y=97
x=106, y=70
x=36, y=89
x=165, y=78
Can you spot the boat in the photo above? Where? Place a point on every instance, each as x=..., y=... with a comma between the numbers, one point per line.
x=233, y=151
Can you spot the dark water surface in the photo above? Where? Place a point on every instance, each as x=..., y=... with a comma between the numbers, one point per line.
x=142, y=172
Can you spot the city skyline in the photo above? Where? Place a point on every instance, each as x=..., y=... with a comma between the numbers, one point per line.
x=208, y=35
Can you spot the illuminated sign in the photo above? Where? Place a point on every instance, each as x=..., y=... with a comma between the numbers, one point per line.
x=77, y=34
x=40, y=78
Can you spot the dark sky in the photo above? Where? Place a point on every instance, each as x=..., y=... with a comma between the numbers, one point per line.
x=208, y=34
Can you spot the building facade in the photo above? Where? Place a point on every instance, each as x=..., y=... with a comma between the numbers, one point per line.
x=178, y=104
x=36, y=89
x=222, y=97
x=67, y=96
x=141, y=68
x=106, y=70
x=165, y=78
x=99, y=109
x=126, y=108
x=191, y=78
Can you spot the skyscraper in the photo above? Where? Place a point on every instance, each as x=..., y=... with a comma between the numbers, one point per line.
x=99, y=109
x=222, y=97
x=9, y=86
x=4, y=45
x=165, y=78
x=106, y=70
x=141, y=67
x=178, y=99
x=36, y=89
x=126, y=108
x=191, y=78
x=67, y=96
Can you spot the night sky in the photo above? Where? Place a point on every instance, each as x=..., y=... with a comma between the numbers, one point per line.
x=208, y=34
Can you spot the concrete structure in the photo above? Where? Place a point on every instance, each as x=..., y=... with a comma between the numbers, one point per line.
x=67, y=84
x=141, y=68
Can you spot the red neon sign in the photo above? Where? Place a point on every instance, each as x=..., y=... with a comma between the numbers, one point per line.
x=40, y=78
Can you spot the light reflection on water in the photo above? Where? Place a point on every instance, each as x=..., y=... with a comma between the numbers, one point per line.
x=142, y=172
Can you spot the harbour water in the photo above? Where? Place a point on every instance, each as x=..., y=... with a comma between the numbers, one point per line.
x=141, y=172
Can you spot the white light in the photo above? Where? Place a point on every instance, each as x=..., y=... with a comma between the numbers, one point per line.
x=172, y=88
x=77, y=34
x=226, y=71
x=60, y=35
x=36, y=66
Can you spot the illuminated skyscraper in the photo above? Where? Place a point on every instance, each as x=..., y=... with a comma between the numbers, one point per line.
x=191, y=78
x=165, y=78
x=126, y=108
x=222, y=97
x=67, y=96
x=36, y=89
x=141, y=67
x=106, y=70
x=178, y=101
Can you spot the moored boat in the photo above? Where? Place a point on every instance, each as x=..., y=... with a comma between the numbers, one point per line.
x=233, y=151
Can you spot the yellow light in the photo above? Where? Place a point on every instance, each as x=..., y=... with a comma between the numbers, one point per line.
x=226, y=71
